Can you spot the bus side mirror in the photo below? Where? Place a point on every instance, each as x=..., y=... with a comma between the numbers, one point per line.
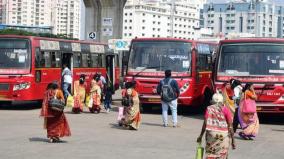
x=125, y=56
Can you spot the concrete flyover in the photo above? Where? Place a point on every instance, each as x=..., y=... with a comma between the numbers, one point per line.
x=105, y=17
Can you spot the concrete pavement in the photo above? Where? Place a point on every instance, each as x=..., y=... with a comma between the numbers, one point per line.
x=97, y=136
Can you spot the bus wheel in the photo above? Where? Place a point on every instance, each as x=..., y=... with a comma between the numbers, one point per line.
x=206, y=99
x=146, y=108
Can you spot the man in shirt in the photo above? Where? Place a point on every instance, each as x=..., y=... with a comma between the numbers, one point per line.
x=67, y=80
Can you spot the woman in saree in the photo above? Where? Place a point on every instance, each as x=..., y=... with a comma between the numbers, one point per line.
x=228, y=94
x=248, y=117
x=79, y=94
x=95, y=96
x=54, y=121
x=218, y=127
x=132, y=116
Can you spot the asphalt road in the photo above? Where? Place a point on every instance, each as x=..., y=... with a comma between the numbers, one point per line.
x=97, y=136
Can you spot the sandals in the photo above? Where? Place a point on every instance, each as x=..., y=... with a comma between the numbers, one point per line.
x=242, y=135
x=54, y=140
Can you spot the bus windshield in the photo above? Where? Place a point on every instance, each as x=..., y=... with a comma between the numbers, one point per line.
x=14, y=54
x=160, y=56
x=251, y=59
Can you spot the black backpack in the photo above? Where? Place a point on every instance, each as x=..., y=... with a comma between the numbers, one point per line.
x=167, y=91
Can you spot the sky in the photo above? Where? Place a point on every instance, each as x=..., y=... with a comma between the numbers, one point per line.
x=218, y=1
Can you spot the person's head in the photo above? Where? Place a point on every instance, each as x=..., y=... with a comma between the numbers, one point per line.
x=49, y=86
x=54, y=85
x=235, y=83
x=64, y=65
x=128, y=85
x=168, y=73
x=82, y=79
x=248, y=86
x=217, y=98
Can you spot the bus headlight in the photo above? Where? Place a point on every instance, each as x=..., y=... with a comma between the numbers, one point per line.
x=184, y=87
x=21, y=86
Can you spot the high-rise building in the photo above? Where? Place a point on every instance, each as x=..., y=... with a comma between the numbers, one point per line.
x=66, y=17
x=161, y=18
x=260, y=18
x=62, y=15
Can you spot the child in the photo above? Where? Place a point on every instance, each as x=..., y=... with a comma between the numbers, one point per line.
x=108, y=98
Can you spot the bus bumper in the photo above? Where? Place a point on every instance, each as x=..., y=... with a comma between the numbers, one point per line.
x=154, y=99
x=270, y=108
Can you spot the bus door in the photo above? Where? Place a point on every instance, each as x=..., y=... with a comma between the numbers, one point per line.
x=67, y=58
x=110, y=70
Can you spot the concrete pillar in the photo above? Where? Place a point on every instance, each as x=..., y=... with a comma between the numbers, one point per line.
x=97, y=11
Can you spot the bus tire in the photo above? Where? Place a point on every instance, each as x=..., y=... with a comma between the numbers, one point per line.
x=206, y=99
x=146, y=108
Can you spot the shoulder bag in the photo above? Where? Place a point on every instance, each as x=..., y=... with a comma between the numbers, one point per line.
x=56, y=104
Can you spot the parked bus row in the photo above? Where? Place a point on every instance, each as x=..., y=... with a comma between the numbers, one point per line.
x=259, y=61
x=28, y=64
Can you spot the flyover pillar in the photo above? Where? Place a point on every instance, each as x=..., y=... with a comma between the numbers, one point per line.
x=105, y=17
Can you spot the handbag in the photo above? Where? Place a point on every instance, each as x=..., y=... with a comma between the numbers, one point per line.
x=249, y=106
x=199, y=151
x=56, y=104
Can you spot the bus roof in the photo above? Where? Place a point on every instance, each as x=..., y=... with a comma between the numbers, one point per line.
x=53, y=39
x=160, y=39
x=171, y=39
x=252, y=40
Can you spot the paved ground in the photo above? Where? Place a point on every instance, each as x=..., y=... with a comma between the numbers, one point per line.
x=97, y=136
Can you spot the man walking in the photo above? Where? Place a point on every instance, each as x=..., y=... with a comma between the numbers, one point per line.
x=67, y=81
x=169, y=92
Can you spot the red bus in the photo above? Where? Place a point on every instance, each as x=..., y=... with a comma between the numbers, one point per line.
x=28, y=64
x=256, y=60
x=190, y=62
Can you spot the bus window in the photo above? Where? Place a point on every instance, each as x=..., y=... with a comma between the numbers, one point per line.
x=85, y=60
x=95, y=60
x=204, y=57
x=77, y=60
x=160, y=56
x=55, y=59
x=43, y=59
x=251, y=59
x=103, y=61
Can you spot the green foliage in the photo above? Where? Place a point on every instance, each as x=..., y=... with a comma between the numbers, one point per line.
x=26, y=33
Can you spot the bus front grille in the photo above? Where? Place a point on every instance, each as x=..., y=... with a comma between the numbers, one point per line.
x=4, y=86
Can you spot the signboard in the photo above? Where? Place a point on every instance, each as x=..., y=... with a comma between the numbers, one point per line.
x=76, y=47
x=119, y=44
x=107, y=22
x=93, y=35
x=97, y=48
x=49, y=45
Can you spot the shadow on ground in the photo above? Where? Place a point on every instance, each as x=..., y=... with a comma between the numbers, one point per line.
x=39, y=139
x=20, y=106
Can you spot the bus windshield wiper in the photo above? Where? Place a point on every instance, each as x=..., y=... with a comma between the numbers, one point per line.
x=145, y=68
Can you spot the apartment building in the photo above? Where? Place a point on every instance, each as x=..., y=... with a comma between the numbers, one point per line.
x=161, y=18
x=261, y=18
x=62, y=15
